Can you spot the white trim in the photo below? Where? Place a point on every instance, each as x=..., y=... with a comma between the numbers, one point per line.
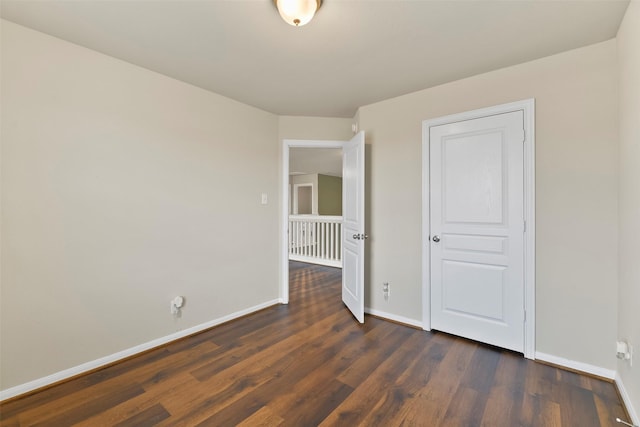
x=528, y=108
x=394, y=317
x=284, y=207
x=578, y=366
x=317, y=261
x=332, y=218
x=94, y=364
x=530, y=234
x=627, y=400
x=426, y=231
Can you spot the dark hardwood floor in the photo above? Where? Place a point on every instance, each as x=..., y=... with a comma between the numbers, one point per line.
x=309, y=363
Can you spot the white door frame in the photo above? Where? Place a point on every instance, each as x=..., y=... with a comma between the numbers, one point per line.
x=287, y=144
x=528, y=108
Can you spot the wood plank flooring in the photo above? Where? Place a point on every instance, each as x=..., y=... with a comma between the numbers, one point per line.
x=310, y=364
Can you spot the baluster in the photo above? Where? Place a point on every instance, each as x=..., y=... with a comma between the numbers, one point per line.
x=340, y=241
x=329, y=225
x=310, y=228
x=322, y=240
x=332, y=242
x=314, y=239
x=289, y=237
x=309, y=238
x=318, y=237
x=326, y=240
x=306, y=238
x=337, y=240
x=332, y=254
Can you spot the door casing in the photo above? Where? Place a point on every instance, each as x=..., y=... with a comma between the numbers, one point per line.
x=528, y=108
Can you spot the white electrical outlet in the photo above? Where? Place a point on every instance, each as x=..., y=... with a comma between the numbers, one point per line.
x=624, y=351
x=618, y=420
x=386, y=290
x=176, y=305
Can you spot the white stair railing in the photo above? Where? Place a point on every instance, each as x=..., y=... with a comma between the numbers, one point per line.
x=316, y=239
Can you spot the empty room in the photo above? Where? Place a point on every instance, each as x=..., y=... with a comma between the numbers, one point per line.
x=320, y=212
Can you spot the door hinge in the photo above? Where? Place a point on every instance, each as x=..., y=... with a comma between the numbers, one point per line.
x=525, y=315
x=524, y=226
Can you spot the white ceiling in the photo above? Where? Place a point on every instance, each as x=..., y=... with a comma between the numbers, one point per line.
x=325, y=161
x=354, y=52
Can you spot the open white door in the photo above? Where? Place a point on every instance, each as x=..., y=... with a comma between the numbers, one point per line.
x=353, y=235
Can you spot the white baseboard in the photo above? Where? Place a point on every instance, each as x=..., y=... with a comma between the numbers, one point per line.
x=395, y=318
x=578, y=366
x=314, y=260
x=88, y=366
x=627, y=401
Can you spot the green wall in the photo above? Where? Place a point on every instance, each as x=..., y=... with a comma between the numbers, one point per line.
x=329, y=195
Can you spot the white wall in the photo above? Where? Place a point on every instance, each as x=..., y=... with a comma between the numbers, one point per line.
x=122, y=188
x=319, y=128
x=576, y=184
x=629, y=206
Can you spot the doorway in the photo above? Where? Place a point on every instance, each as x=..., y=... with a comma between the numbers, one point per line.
x=303, y=199
x=287, y=147
x=352, y=239
x=479, y=226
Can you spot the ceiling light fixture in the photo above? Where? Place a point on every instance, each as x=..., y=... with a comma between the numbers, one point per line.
x=297, y=12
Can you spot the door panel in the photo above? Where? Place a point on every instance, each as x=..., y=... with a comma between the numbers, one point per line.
x=353, y=226
x=472, y=184
x=476, y=221
x=475, y=290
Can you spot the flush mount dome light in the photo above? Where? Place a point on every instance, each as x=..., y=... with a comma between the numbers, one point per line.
x=297, y=12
